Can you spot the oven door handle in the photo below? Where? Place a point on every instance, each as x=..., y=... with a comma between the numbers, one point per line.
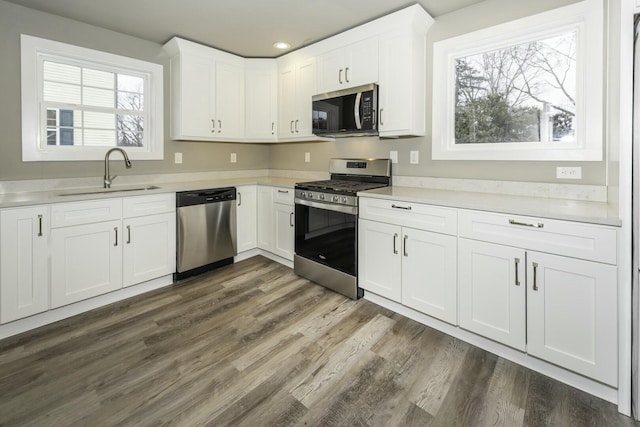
x=353, y=210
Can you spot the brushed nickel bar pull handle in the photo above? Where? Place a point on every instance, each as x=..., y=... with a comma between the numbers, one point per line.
x=291, y=126
x=219, y=126
x=239, y=198
x=346, y=74
x=273, y=125
x=381, y=122
x=213, y=125
x=291, y=219
x=116, y=230
x=535, y=276
x=283, y=191
x=395, y=238
x=39, y=225
x=406, y=208
x=297, y=126
x=404, y=245
x=526, y=224
x=128, y=234
x=340, y=76
x=517, y=264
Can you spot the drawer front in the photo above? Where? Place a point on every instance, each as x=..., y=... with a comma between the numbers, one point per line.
x=78, y=213
x=572, y=239
x=148, y=205
x=416, y=215
x=283, y=195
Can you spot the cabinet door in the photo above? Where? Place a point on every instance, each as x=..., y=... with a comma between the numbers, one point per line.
x=24, y=262
x=194, y=115
x=261, y=90
x=246, y=212
x=86, y=261
x=283, y=227
x=379, y=259
x=491, y=284
x=429, y=269
x=361, y=63
x=331, y=68
x=402, y=96
x=265, y=218
x=287, y=101
x=229, y=110
x=572, y=314
x=149, y=248
x=305, y=89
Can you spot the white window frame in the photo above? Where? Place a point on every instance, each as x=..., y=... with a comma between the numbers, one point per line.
x=586, y=18
x=34, y=51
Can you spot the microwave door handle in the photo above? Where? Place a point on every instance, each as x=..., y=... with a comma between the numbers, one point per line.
x=356, y=110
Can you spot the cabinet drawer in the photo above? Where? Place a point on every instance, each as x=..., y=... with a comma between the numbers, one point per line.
x=77, y=213
x=148, y=205
x=572, y=239
x=283, y=195
x=416, y=215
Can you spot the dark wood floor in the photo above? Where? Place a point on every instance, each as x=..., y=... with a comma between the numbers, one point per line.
x=254, y=345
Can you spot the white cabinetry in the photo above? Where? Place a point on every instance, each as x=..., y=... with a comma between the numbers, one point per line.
x=207, y=92
x=349, y=66
x=261, y=99
x=276, y=221
x=562, y=310
x=407, y=253
x=24, y=262
x=402, y=94
x=247, y=218
x=149, y=227
x=296, y=86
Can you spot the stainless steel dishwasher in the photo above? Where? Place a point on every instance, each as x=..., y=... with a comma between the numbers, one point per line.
x=206, y=231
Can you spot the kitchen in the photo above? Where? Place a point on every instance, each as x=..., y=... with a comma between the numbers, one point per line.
x=282, y=164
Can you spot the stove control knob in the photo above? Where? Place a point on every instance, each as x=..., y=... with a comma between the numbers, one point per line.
x=335, y=199
x=343, y=200
x=309, y=195
x=321, y=197
x=303, y=194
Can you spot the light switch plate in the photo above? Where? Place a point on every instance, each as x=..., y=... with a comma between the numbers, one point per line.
x=569, y=172
x=234, y=158
x=393, y=155
x=177, y=158
x=414, y=157
x=307, y=157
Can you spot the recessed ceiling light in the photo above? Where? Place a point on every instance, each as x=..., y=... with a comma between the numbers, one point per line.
x=281, y=45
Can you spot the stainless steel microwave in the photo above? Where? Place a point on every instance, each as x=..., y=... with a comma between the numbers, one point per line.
x=347, y=112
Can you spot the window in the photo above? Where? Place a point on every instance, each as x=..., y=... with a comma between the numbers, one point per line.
x=530, y=89
x=78, y=103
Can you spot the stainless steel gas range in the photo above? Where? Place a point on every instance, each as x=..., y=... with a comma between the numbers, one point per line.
x=326, y=222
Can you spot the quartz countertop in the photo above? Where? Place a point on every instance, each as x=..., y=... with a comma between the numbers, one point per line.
x=562, y=209
x=78, y=194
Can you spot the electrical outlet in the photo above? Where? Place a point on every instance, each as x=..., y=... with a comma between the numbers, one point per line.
x=177, y=158
x=414, y=157
x=393, y=155
x=569, y=172
x=234, y=158
x=307, y=157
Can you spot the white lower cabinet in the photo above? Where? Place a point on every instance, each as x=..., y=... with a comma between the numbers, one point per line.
x=492, y=289
x=265, y=218
x=86, y=261
x=276, y=212
x=283, y=230
x=414, y=267
x=247, y=220
x=24, y=262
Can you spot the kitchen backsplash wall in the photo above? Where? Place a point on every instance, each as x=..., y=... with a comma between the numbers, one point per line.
x=197, y=156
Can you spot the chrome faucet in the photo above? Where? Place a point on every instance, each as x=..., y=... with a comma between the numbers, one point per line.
x=109, y=179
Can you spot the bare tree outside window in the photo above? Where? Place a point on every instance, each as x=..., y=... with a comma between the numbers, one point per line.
x=523, y=93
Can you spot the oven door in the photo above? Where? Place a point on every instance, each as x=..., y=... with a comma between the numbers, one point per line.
x=326, y=234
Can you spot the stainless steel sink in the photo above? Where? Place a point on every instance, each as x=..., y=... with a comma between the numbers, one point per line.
x=109, y=190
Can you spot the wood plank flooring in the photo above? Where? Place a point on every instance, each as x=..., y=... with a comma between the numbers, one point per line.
x=252, y=344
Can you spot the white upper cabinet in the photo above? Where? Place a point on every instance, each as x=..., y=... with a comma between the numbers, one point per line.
x=296, y=84
x=207, y=92
x=261, y=99
x=350, y=66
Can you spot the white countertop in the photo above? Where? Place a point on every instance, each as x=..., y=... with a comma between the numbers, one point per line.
x=569, y=210
x=77, y=194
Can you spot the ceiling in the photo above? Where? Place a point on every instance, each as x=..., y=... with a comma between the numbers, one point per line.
x=244, y=27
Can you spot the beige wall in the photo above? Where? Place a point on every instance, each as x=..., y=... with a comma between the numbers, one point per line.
x=197, y=156
x=15, y=20
x=478, y=16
